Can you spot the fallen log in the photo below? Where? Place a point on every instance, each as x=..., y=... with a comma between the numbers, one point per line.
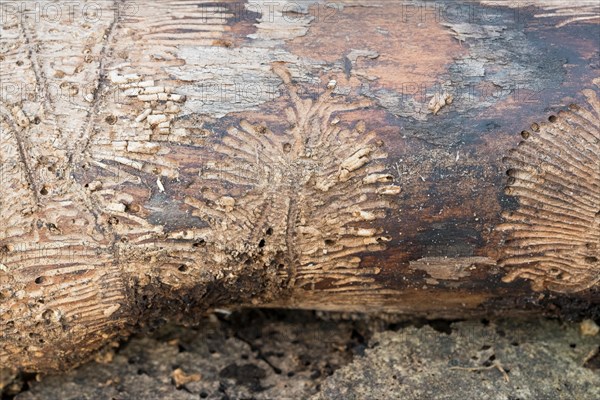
x=162, y=159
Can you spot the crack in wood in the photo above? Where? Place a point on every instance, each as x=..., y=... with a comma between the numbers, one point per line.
x=23, y=154
x=86, y=129
x=41, y=83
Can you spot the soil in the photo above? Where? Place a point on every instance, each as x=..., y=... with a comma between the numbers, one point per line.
x=279, y=354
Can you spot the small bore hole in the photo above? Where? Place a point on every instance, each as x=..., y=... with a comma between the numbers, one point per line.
x=132, y=208
x=39, y=280
x=554, y=271
x=48, y=315
x=269, y=231
x=44, y=191
x=199, y=243
x=552, y=118
x=182, y=268
x=261, y=244
x=525, y=135
x=535, y=127
x=383, y=239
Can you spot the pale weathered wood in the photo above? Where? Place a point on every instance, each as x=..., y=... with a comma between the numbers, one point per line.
x=159, y=159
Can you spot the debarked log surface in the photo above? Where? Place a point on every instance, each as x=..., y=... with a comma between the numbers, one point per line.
x=162, y=158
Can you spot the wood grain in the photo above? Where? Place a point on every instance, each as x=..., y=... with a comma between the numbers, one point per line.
x=159, y=159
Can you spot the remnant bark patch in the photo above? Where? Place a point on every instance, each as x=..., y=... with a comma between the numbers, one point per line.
x=446, y=268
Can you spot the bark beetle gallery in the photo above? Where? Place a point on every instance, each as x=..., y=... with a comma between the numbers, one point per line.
x=161, y=159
